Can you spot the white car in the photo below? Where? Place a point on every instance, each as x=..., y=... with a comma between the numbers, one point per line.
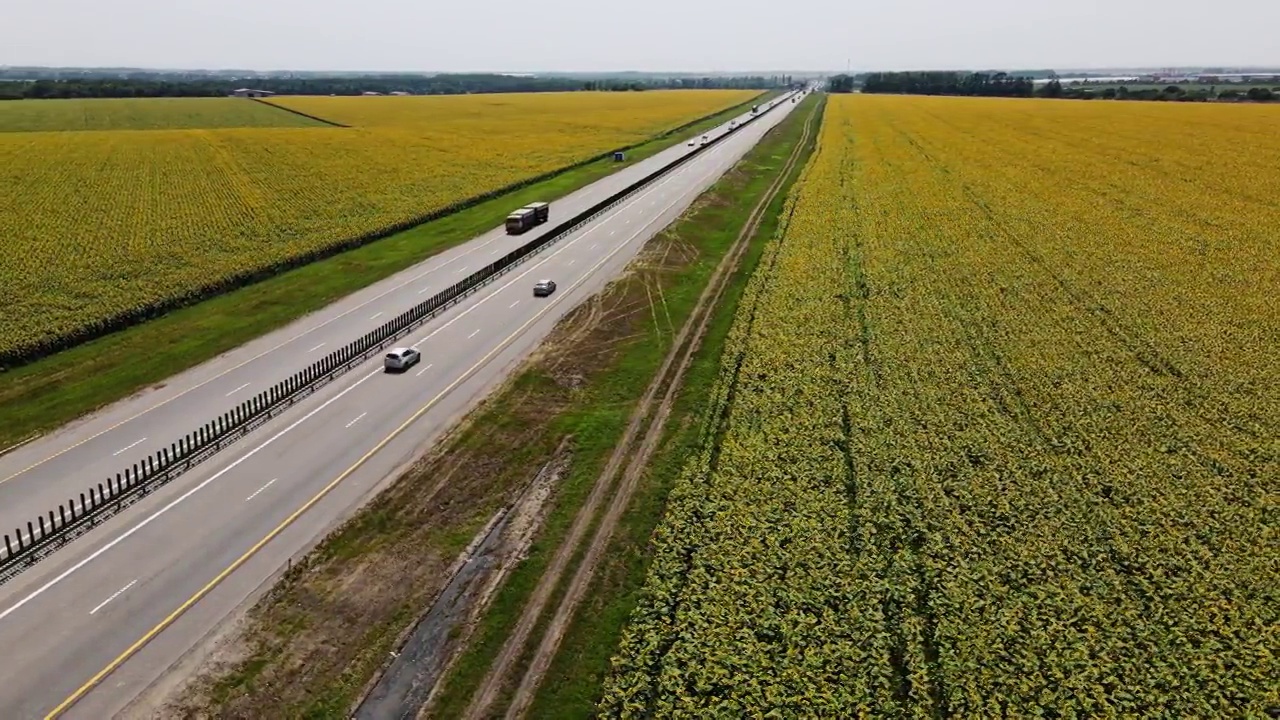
x=692, y=143
x=401, y=358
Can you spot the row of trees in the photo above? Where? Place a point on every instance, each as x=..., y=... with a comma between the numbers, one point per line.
x=1171, y=93
x=94, y=87
x=1001, y=84
x=949, y=83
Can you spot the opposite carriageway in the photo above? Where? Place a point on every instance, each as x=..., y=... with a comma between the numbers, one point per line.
x=53, y=528
x=220, y=534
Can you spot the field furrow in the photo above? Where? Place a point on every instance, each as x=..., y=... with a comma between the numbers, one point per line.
x=999, y=432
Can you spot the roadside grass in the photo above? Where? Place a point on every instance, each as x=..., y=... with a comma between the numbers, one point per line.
x=46, y=394
x=309, y=646
x=712, y=225
x=573, y=682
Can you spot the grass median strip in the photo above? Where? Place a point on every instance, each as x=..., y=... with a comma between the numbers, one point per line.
x=310, y=645
x=46, y=394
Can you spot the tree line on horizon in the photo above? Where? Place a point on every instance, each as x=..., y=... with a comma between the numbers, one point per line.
x=999, y=84
x=124, y=87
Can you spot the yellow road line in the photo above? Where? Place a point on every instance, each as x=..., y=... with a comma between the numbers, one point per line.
x=202, y=592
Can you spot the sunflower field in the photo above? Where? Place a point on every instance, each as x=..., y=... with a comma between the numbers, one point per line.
x=100, y=226
x=997, y=431
x=143, y=114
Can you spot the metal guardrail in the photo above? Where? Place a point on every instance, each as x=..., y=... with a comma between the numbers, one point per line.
x=94, y=506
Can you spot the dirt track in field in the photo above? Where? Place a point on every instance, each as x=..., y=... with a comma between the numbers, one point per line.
x=635, y=456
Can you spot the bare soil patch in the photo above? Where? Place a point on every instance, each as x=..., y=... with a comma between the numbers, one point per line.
x=310, y=645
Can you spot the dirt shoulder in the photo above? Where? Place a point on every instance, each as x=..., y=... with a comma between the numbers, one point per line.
x=311, y=644
x=627, y=462
x=541, y=608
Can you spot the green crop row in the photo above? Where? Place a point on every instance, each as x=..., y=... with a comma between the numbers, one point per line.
x=987, y=441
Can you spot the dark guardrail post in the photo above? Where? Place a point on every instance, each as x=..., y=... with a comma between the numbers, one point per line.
x=156, y=470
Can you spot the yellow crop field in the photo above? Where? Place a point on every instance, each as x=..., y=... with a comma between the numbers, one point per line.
x=143, y=114
x=98, y=225
x=997, y=432
x=615, y=112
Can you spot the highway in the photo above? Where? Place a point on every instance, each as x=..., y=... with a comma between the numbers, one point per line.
x=36, y=477
x=125, y=602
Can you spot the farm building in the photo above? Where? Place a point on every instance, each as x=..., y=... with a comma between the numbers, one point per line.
x=248, y=92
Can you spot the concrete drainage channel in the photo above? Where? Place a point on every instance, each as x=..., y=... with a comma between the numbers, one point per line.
x=409, y=679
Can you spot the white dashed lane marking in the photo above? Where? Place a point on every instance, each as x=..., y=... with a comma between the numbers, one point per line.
x=117, y=594
x=130, y=447
x=264, y=487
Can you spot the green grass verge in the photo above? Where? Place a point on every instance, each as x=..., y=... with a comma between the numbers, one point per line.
x=46, y=394
x=598, y=425
x=574, y=680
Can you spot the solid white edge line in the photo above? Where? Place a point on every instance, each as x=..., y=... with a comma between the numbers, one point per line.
x=427, y=271
x=563, y=246
x=176, y=501
x=173, y=503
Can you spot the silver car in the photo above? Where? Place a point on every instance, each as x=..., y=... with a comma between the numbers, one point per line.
x=401, y=358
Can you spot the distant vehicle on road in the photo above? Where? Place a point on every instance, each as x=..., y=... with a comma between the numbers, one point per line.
x=704, y=140
x=544, y=288
x=400, y=359
x=528, y=217
x=693, y=143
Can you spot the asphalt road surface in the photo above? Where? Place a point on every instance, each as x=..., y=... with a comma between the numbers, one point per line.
x=36, y=477
x=152, y=581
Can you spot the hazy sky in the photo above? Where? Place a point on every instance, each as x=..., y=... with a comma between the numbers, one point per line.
x=663, y=35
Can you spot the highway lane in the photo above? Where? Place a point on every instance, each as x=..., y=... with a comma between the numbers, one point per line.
x=68, y=617
x=38, y=476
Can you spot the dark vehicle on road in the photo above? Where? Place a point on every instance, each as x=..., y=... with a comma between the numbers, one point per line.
x=544, y=288
x=528, y=217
